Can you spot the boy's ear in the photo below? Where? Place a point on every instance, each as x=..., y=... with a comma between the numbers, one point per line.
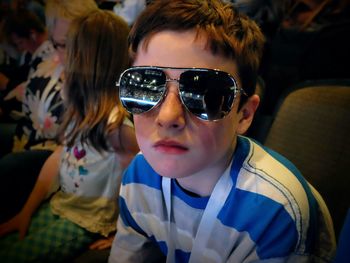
x=247, y=112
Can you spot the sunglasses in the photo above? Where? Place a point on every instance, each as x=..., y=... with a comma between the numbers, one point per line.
x=207, y=93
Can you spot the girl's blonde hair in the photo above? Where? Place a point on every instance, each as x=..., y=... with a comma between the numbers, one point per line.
x=96, y=56
x=67, y=9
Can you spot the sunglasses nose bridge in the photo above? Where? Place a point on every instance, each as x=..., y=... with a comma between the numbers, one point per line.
x=170, y=80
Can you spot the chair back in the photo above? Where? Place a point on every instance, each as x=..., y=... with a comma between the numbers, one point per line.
x=311, y=128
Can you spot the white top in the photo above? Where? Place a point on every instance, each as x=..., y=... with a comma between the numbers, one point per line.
x=89, y=190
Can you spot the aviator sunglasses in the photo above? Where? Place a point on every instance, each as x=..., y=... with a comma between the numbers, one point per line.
x=207, y=93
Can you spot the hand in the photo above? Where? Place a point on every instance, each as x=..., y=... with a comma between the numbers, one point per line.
x=102, y=243
x=19, y=223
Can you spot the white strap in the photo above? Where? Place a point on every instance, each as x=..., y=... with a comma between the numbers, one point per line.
x=166, y=185
x=205, y=229
x=206, y=226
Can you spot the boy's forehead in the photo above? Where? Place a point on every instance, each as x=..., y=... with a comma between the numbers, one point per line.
x=186, y=49
x=189, y=37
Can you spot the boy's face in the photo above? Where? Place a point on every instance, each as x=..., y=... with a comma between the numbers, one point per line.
x=175, y=142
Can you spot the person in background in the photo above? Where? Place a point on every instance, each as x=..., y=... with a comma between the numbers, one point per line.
x=9, y=55
x=36, y=133
x=199, y=191
x=98, y=143
x=129, y=9
x=29, y=35
x=35, y=6
x=268, y=14
x=300, y=49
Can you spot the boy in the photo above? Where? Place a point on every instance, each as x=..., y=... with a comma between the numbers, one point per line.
x=199, y=192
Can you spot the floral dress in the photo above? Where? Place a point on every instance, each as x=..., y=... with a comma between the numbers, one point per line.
x=41, y=109
x=11, y=102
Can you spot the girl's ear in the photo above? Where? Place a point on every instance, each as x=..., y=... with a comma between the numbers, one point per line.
x=247, y=112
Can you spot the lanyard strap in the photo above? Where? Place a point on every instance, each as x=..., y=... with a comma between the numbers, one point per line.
x=206, y=226
x=166, y=185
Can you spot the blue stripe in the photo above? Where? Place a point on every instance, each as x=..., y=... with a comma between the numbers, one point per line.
x=313, y=229
x=161, y=244
x=195, y=202
x=181, y=256
x=261, y=213
x=128, y=220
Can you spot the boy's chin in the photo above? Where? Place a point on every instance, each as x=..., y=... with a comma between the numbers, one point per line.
x=170, y=173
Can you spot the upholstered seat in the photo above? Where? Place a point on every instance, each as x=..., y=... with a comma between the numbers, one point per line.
x=311, y=127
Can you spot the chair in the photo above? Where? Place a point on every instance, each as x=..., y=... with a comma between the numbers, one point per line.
x=311, y=127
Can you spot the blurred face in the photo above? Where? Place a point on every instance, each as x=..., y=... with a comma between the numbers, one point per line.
x=59, y=37
x=175, y=142
x=22, y=44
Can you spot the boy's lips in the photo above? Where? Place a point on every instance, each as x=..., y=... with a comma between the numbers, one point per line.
x=169, y=146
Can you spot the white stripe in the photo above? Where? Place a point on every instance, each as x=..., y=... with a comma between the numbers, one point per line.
x=262, y=174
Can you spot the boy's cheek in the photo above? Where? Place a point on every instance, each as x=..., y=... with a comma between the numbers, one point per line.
x=142, y=130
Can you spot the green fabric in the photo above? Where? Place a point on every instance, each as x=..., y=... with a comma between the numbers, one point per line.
x=49, y=239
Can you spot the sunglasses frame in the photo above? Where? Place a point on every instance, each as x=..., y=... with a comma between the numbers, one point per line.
x=236, y=90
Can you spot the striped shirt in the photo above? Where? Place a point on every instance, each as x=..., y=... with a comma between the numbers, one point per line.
x=270, y=212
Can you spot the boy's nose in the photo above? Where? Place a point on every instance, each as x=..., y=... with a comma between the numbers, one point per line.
x=171, y=112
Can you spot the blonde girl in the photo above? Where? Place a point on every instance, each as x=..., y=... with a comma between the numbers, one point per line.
x=98, y=142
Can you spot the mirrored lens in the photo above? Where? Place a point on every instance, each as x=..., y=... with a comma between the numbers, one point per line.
x=141, y=89
x=207, y=94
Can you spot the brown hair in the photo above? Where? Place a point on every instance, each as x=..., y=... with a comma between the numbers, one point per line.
x=228, y=32
x=96, y=56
